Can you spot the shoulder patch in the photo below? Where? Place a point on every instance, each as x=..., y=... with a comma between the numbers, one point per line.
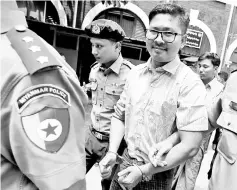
x=48, y=129
x=128, y=63
x=39, y=91
x=33, y=52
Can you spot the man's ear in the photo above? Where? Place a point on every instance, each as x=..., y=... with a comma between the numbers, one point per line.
x=118, y=46
x=183, y=41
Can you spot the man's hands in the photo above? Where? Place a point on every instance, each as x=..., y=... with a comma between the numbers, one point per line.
x=107, y=163
x=158, y=152
x=130, y=177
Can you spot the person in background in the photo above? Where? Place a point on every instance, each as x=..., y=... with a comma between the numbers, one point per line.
x=107, y=79
x=160, y=97
x=225, y=166
x=42, y=111
x=208, y=64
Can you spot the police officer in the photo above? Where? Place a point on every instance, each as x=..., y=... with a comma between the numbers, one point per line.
x=224, y=169
x=42, y=111
x=107, y=80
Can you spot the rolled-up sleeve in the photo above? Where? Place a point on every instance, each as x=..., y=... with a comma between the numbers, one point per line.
x=191, y=113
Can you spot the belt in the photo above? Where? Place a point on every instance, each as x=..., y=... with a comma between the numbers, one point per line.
x=99, y=135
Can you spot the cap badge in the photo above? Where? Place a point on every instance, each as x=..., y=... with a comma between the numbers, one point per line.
x=95, y=29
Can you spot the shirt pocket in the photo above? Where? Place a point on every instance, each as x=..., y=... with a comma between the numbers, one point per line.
x=94, y=86
x=112, y=93
x=227, y=146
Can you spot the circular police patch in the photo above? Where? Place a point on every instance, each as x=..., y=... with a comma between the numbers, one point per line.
x=48, y=129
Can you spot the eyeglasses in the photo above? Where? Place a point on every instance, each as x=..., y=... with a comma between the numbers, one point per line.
x=166, y=36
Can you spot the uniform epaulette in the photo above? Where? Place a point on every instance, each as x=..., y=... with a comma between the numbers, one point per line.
x=33, y=52
x=95, y=63
x=128, y=63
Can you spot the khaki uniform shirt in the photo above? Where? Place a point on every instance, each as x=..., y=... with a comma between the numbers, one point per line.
x=106, y=86
x=42, y=115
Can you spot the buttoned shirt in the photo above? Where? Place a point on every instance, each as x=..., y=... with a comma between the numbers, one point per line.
x=157, y=102
x=106, y=85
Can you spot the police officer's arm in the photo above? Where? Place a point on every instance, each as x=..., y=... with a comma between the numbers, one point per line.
x=117, y=130
x=191, y=122
x=45, y=114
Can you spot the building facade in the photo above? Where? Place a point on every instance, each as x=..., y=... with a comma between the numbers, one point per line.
x=213, y=27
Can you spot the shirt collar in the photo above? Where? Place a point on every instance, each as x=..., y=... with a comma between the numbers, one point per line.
x=115, y=67
x=214, y=82
x=170, y=67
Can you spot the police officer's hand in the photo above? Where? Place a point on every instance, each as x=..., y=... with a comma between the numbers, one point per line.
x=107, y=163
x=157, y=153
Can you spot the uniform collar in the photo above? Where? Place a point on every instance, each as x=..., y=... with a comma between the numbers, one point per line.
x=11, y=18
x=214, y=82
x=170, y=67
x=115, y=67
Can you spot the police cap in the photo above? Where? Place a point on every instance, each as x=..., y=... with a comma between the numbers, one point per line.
x=105, y=29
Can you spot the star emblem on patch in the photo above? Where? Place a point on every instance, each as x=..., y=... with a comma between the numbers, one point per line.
x=95, y=29
x=42, y=59
x=28, y=39
x=35, y=48
x=49, y=129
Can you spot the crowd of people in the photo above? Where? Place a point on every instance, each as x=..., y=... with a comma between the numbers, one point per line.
x=151, y=123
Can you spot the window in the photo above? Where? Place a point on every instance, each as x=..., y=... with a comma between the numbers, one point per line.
x=131, y=24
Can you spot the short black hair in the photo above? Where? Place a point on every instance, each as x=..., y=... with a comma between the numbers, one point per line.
x=174, y=10
x=213, y=57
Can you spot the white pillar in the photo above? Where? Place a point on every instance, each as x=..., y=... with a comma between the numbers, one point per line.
x=226, y=37
x=75, y=14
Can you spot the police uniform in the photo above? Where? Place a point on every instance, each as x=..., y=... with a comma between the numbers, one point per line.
x=42, y=112
x=225, y=165
x=106, y=85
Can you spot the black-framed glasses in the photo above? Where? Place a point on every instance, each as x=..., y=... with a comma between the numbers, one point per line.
x=166, y=36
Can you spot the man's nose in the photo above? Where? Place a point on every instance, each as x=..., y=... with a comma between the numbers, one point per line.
x=159, y=38
x=201, y=69
x=94, y=51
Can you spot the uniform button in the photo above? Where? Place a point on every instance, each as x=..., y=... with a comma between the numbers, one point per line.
x=113, y=91
x=100, y=105
x=20, y=28
x=101, y=88
x=104, y=75
x=228, y=123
